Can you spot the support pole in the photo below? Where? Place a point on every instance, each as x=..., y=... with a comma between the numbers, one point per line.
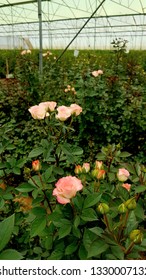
x=80, y=30
x=40, y=37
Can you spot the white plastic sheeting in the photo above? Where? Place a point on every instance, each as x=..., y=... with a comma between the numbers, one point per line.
x=62, y=19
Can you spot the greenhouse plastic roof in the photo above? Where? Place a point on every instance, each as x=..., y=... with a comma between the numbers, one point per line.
x=16, y=11
x=63, y=19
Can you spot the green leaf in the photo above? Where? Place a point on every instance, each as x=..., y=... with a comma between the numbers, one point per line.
x=91, y=200
x=57, y=254
x=6, y=229
x=38, y=211
x=139, y=189
x=98, y=231
x=25, y=187
x=117, y=252
x=58, y=170
x=64, y=231
x=89, y=215
x=38, y=226
x=82, y=252
x=77, y=151
x=139, y=212
x=97, y=248
x=48, y=173
x=2, y=202
x=71, y=248
x=124, y=154
x=16, y=170
x=10, y=254
x=36, y=152
x=111, y=176
x=101, y=156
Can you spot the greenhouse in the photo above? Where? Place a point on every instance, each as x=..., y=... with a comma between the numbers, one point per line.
x=73, y=136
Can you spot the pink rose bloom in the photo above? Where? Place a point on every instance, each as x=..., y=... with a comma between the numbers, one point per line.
x=123, y=174
x=49, y=105
x=127, y=186
x=86, y=167
x=37, y=112
x=75, y=109
x=64, y=113
x=66, y=188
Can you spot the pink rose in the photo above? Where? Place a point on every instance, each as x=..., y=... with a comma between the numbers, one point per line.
x=66, y=188
x=75, y=109
x=49, y=105
x=127, y=186
x=123, y=174
x=64, y=113
x=37, y=112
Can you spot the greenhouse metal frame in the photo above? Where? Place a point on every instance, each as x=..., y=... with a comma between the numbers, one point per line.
x=61, y=20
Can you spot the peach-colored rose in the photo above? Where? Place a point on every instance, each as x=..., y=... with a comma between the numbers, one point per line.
x=64, y=113
x=49, y=105
x=23, y=52
x=97, y=73
x=66, y=188
x=123, y=174
x=28, y=51
x=37, y=112
x=36, y=166
x=100, y=72
x=75, y=109
x=127, y=186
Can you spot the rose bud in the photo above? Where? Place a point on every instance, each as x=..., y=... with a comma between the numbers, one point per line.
x=122, y=208
x=130, y=203
x=36, y=166
x=103, y=208
x=136, y=236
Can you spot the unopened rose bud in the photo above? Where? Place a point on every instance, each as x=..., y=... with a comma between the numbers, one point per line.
x=130, y=203
x=86, y=167
x=103, y=208
x=122, y=208
x=101, y=174
x=136, y=236
x=78, y=169
x=36, y=166
x=98, y=164
x=27, y=171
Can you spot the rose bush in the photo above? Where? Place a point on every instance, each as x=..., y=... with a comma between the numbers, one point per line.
x=60, y=201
